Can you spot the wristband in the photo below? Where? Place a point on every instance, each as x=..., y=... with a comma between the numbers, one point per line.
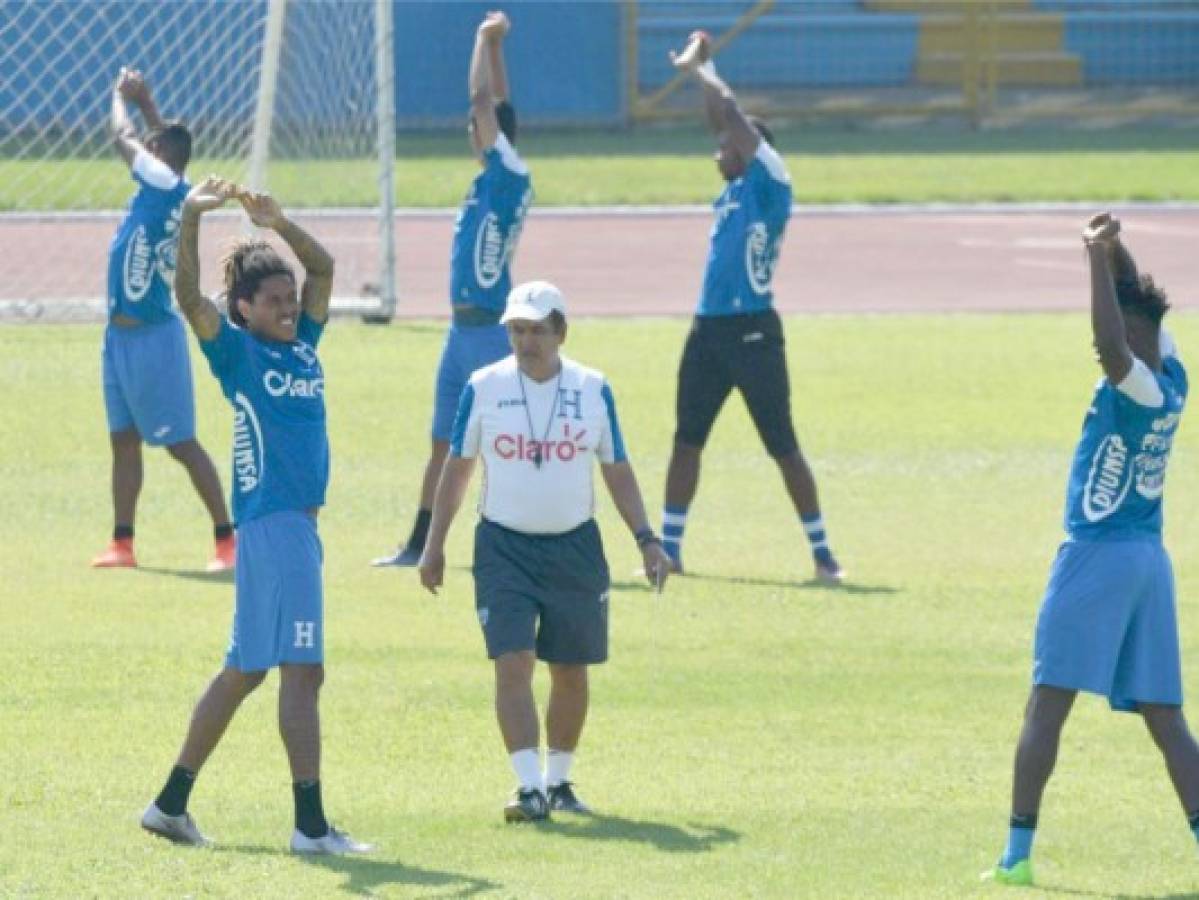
x=645, y=537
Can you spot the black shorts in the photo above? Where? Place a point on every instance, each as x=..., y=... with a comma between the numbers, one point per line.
x=745, y=352
x=547, y=593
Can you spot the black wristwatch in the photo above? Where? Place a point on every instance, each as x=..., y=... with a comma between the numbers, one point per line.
x=645, y=537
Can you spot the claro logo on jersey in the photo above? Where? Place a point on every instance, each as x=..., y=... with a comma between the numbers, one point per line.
x=248, y=459
x=518, y=446
x=284, y=384
x=1109, y=479
x=760, y=256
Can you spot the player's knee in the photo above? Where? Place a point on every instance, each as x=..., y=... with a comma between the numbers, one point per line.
x=569, y=677
x=184, y=451
x=514, y=669
x=305, y=678
x=1165, y=723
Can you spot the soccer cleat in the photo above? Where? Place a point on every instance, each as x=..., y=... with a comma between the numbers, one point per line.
x=224, y=558
x=118, y=555
x=828, y=569
x=333, y=843
x=562, y=798
x=179, y=829
x=406, y=557
x=527, y=805
x=1019, y=874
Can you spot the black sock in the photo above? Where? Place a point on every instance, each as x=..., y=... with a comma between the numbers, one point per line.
x=310, y=815
x=420, y=530
x=173, y=799
x=1028, y=820
x=220, y=532
x=122, y=533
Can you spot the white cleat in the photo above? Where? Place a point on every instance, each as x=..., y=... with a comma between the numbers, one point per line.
x=176, y=829
x=335, y=843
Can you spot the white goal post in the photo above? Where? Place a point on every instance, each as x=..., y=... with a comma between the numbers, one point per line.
x=295, y=96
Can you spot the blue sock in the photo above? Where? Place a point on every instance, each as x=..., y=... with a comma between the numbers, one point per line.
x=674, y=521
x=813, y=527
x=1019, y=840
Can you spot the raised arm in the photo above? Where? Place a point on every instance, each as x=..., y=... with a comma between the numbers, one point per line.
x=1107, y=322
x=487, y=80
x=626, y=495
x=264, y=211
x=138, y=92
x=200, y=312
x=720, y=103
x=120, y=126
x=451, y=491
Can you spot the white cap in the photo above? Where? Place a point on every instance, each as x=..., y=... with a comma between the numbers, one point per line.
x=533, y=300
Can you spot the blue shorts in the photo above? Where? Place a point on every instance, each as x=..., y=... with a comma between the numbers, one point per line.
x=1107, y=624
x=279, y=613
x=466, y=349
x=148, y=382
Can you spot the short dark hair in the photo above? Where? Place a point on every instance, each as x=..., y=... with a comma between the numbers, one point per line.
x=505, y=118
x=557, y=321
x=175, y=141
x=247, y=263
x=1141, y=297
x=761, y=128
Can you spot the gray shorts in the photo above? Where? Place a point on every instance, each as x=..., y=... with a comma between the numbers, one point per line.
x=547, y=593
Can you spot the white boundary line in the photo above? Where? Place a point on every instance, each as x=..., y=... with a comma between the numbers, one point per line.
x=832, y=209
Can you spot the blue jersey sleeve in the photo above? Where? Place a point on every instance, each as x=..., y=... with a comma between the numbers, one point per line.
x=225, y=351
x=618, y=451
x=309, y=330
x=462, y=420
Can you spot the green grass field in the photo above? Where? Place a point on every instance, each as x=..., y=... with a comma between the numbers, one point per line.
x=674, y=166
x=754, y=735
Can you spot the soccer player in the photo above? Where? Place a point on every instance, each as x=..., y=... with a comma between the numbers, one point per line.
x=264, y=356
x=147, y=373
x=485, y=238
x=539, y=421
x=736, y=339
x=1107, y=622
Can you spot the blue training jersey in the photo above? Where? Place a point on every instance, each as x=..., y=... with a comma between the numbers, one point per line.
x=141, y=257
x=1119, y=469
x=751, y=217
x=488, y=228
x=280, y=444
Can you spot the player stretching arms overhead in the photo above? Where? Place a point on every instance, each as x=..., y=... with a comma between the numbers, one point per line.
x=485, y=238
x=147, y=373
x=736, y=339
x=264, y=355
x=1107, y=623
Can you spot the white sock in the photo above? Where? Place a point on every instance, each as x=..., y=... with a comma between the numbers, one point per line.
x=527, y=766
x=557, y=766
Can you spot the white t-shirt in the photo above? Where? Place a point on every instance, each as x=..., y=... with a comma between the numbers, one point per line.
x=569, y=422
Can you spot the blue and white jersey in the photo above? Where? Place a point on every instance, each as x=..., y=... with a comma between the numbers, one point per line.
x=488, y=229
x=574, y=424
x=280, y=445
x=1119, y=469
x=751, y=217
x=141, y=257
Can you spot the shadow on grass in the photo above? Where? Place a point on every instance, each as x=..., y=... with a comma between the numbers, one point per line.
x=667, y=838
x=1073, y=892
x=848, y=587
x=190, y=574
x=365, y=875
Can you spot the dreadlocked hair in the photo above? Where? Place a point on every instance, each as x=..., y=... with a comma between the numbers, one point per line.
x=246, y=264
x=1142, y=297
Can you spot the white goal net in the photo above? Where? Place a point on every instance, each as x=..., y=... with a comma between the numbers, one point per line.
x=291, y=95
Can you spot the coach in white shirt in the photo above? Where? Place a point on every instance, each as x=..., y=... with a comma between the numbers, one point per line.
x=538, y=420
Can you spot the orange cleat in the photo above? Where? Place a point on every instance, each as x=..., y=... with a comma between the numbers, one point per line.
x=119, y=555
x=224, y=559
